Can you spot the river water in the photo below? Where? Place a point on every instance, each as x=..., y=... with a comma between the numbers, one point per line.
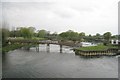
x=51, y=63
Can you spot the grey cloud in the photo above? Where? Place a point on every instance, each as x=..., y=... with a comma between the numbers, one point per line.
x=28, y=5
x=51, y=14
x=84, y=9
x=28, y=0
x=65, y=12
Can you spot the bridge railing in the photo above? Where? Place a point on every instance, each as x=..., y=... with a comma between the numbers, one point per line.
x=67, y=43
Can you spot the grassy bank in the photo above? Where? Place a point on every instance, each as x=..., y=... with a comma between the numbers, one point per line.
x=99, y=50
x=11, y=47
x=99, y=47
x=15, y=46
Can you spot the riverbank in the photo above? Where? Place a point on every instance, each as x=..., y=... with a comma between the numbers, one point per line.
x=11, y=47
x=15, y=45
x=99, y=50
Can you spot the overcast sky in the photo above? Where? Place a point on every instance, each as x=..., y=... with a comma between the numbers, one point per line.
x=89, y=16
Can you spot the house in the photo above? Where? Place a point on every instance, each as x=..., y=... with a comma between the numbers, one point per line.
x=115, y=41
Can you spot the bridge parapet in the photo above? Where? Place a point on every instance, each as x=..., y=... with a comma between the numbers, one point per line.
x=49, y=42
x=66, y=43
x=32, y=41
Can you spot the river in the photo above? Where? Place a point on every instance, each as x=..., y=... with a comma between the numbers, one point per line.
x=21, y=63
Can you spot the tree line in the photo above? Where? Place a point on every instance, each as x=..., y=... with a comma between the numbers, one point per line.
x=30, y=32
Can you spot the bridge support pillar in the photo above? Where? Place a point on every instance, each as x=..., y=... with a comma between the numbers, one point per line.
x=48, y=47
x=37, y=48
x=60, y=48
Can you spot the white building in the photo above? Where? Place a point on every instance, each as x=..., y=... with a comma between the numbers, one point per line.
x=85, y=44
x=115, y=41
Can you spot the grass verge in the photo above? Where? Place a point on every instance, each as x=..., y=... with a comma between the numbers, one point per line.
x=97, y=48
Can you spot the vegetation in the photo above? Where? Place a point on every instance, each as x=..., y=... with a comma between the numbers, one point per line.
x=42, y=33
x=29, y=33
x=99, y=47
x=107, y=37
x=11, y=47
x=94, y=48
x=5, y=34
x=69, y=35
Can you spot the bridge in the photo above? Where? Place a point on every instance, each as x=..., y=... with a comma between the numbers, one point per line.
x=36, y=42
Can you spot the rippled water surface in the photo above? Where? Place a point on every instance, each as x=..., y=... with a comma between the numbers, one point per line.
x=53, y=64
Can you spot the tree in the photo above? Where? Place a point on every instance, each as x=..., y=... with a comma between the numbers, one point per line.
x=27, y=32
x=15, y=33
x=114, y=37
x=5, y=34
x=81, y=36
x=89, y=38
x=53, y=36
x=69, y=35
x=97, y=35
x=42, y=33
x=107, y=37
x=32, y=29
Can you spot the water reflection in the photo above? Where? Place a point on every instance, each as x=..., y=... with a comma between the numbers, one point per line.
x=53, y=64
